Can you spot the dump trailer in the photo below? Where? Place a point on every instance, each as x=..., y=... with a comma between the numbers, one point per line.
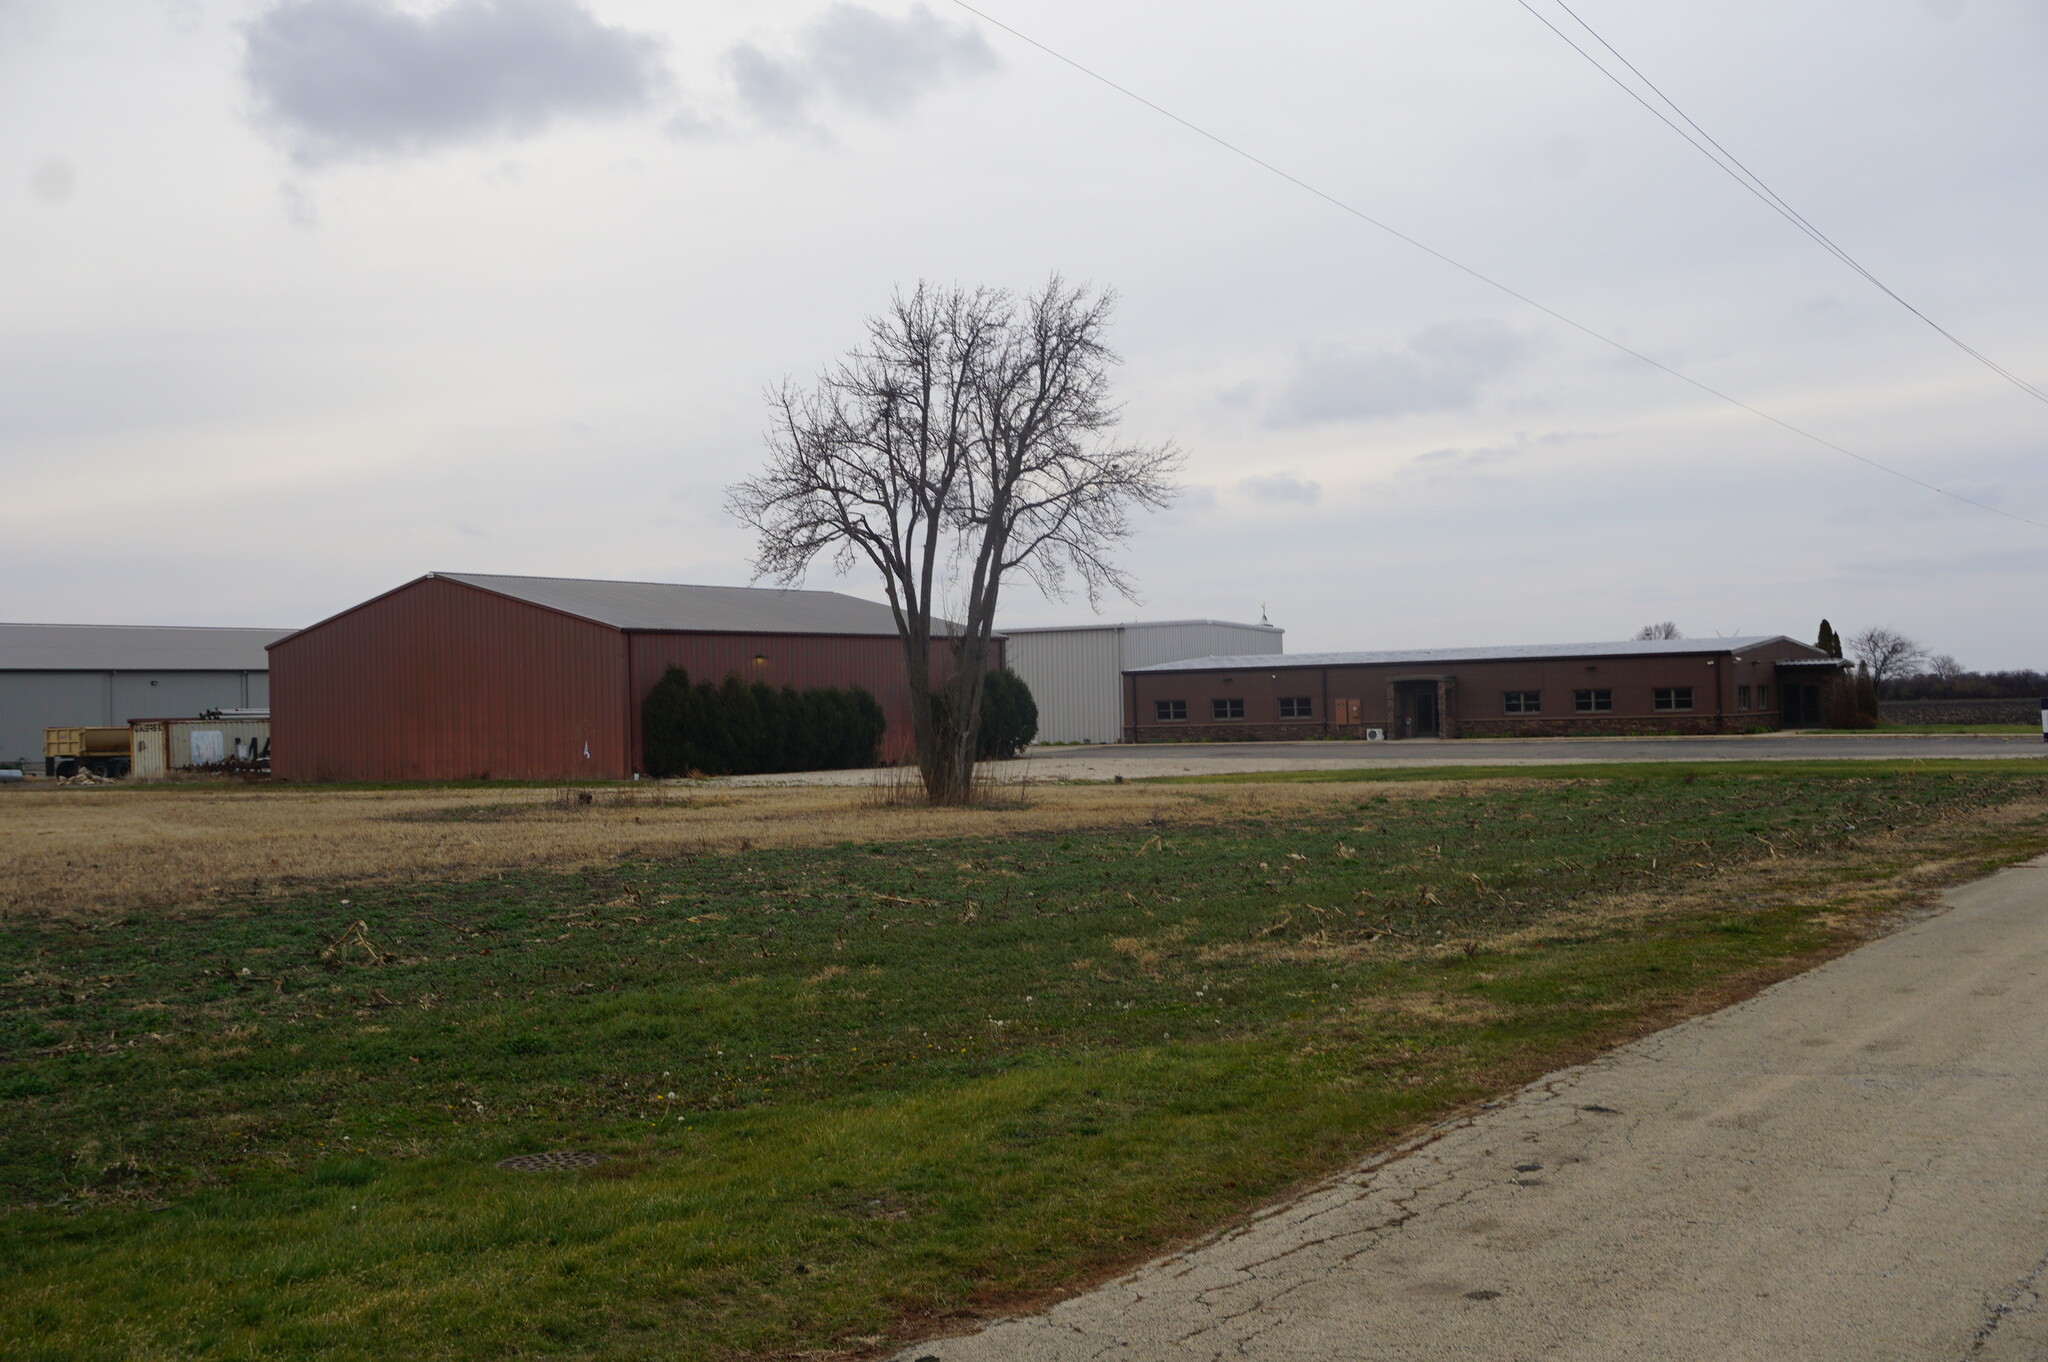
x=102, y=751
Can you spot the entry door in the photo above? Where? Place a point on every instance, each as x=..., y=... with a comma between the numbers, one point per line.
x=1424, y=702
x=1802, y=704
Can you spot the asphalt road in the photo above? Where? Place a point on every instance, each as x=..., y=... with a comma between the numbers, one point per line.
x=1852, y=1166
x=1487, y=751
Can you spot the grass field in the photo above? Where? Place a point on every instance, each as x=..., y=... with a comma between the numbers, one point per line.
x=858, y=1089
x=87, y=851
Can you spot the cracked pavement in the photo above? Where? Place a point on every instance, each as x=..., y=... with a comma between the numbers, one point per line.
x=1853, y=1165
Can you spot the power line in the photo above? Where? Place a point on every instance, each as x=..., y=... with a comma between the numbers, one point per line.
x=1486, y=279
x=1726, y=160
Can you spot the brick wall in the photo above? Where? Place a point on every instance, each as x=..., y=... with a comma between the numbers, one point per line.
x=1609, y=725
x=1234, y=731
x=1532, y=726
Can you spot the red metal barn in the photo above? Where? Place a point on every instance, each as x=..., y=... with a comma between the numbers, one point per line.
x=459, y=676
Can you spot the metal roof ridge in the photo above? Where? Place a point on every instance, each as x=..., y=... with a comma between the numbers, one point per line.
x=1139, y=624
x=196, y=628
x=1478, y=653
x=637, y=581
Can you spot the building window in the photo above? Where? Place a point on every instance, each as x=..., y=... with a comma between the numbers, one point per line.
x=1671, y=697
x=1742, y=697
x=1233, y=708
x=1592, y=701
x=1763, y=697
x=1524, y=701
x=1170, y=711
x=1296, y=707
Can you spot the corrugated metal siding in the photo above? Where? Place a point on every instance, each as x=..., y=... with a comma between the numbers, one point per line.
x=31, y=701
x=1073, y=676
x=440, y=681
x=443, y=681
x=152, y=695
x=1076, y=675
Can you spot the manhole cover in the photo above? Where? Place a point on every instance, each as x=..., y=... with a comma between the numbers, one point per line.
x=554, y=1161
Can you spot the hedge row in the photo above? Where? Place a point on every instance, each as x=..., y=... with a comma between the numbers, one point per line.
x=741, y=729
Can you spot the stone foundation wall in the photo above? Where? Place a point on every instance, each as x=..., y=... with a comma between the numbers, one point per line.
x=1959, y=711
x=1610, y=725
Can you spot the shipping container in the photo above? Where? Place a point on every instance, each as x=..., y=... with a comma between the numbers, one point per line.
x=162, y=746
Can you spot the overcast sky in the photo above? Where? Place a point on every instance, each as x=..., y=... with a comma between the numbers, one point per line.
x=301, y=300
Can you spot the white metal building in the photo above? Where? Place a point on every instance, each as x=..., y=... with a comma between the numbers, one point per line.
x=103, y=675
x=1076, y=671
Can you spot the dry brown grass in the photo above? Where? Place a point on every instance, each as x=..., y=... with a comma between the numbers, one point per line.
x=71, y=852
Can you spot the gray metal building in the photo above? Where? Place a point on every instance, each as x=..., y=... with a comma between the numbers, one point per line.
x=1076, y=671
x=53, y=675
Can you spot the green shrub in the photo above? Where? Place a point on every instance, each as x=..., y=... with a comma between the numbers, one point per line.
x=737, y=728
x=667, y=727
x=1009, y=716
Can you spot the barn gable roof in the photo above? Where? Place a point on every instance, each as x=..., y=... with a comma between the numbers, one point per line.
x=677, y=608
x=133, y=648
x=1666, y=647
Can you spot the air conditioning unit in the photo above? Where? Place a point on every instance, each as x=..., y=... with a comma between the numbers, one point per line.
x=1375, y=735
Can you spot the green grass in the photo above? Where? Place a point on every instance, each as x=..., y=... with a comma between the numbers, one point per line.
x=849, y=1090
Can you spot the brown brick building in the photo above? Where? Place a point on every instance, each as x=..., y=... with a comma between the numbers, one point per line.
x=1721, y=685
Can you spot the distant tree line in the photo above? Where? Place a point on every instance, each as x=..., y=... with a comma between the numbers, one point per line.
x=1895, y=667
x=741, y=729
x=1962, y=685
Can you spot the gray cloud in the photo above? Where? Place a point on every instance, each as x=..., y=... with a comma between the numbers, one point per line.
x=351, y=78
x=1283, y=487
x=1461, y=459
x=53, y=180
x=857, y=57
x=1440, y=369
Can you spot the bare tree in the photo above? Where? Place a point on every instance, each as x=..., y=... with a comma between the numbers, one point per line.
x=970, y=439
x=1944, y=667
x=1664, y=629
x=1887, y=653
